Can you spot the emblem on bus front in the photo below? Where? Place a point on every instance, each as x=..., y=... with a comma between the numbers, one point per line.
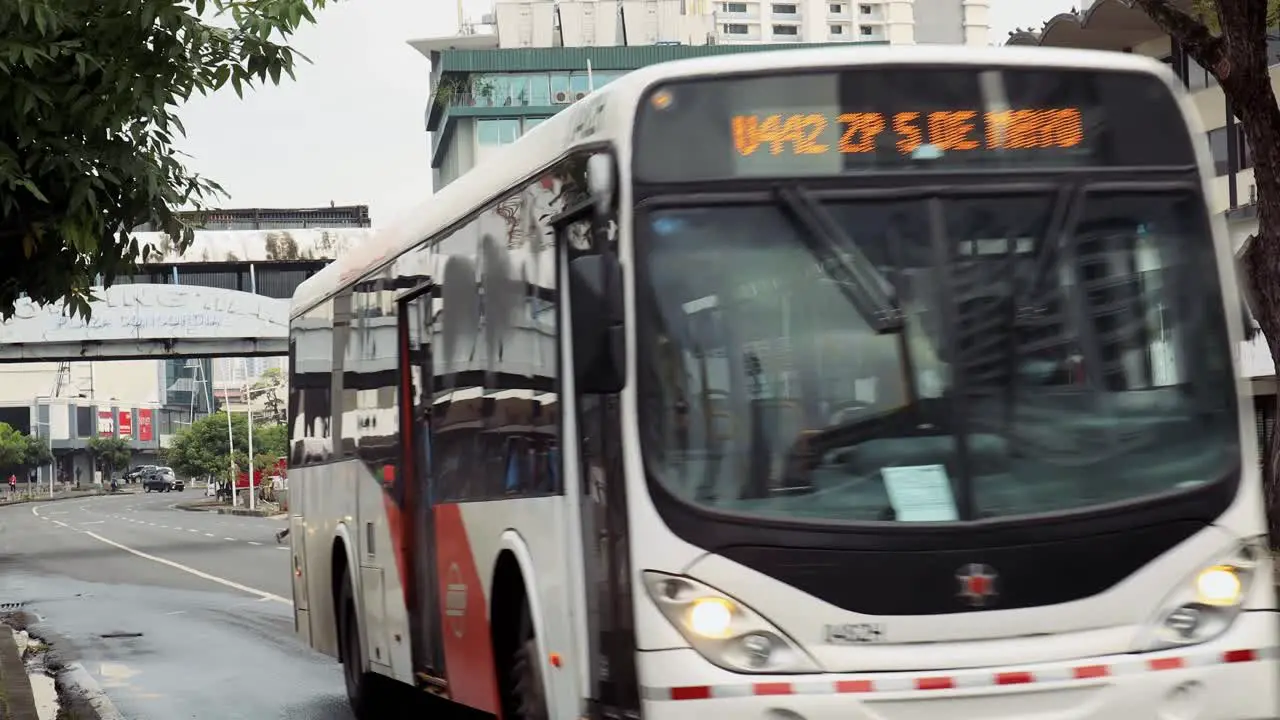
x=977, y=584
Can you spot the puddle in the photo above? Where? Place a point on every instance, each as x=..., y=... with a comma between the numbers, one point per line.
x=43, y=688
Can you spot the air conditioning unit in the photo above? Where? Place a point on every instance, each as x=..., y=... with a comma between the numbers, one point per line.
x=579, y=96
x=562, y=98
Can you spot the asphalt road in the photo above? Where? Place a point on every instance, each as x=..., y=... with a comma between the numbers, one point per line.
x=176, y=614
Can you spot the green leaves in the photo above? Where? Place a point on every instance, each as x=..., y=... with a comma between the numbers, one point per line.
x=201, y=448
x=89, y=119
x=18, y=450
x=110, y=453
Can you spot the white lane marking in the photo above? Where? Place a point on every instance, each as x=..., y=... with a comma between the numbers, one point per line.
x=92, y=522
x=254, y=543
x=283, y=547
x=229, y=539
x=208, y=534
x=263, y=595
x=193, y=530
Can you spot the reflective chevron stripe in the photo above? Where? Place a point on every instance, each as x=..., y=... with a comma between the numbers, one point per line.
x=905, y=682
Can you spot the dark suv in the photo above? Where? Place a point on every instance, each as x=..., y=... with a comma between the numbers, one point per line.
x=161, y=479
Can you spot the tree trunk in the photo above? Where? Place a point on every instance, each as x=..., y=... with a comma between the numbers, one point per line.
x=1254, y=101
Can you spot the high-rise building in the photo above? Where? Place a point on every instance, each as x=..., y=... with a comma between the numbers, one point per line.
x=522, y=61
x=598, y=23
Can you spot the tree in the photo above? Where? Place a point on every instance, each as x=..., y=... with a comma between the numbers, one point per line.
x=270, y=384
x=36, y=452
x=1229, y=39
x=201, y=449
x=110, y=453
x=13, y=449
x=88, y=124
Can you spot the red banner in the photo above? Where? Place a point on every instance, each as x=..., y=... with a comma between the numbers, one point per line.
x=144, y=425
x=106, y=428
x=126, y=424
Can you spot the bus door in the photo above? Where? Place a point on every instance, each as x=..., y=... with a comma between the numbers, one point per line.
x=418, y=532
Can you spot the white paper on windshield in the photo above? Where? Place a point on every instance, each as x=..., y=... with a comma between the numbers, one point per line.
x=864, y=390
x=920, y=493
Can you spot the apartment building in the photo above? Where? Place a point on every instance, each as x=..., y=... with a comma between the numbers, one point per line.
x=603, y=23
x=898, y=22
x=1117, y=26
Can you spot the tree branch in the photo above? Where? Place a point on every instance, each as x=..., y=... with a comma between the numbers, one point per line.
x=1193, y=35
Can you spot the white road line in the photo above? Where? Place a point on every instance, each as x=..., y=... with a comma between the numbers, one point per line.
x=208, y=534
x=229, y=539
x=262, y=595
x=254, y=543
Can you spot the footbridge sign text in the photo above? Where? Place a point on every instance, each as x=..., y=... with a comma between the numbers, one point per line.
x=147, y=321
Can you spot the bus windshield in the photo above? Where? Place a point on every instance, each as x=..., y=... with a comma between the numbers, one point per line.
x=1032, y=351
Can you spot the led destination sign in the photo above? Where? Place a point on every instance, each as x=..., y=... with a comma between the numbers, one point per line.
x=910, y=132
x=905, y=119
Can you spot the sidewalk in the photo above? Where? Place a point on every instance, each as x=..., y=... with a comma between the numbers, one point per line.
x=17, y=702
x=43, y=497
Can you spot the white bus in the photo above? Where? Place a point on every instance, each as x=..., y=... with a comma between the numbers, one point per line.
x=842, y=383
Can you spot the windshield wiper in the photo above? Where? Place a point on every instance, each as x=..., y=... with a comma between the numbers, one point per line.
x=840, y=256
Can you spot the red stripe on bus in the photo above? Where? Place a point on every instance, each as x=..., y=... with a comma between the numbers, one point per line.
x=1168, y=663
x=464, y=615
x=697, y=692
x=1236, y=656
x=935, y=683
x=853, y=686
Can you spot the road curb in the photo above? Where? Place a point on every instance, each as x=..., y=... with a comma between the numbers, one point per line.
x=57, y=498
x=196, y=506
x=75, y=679
x=17, y=701
x=242, y=512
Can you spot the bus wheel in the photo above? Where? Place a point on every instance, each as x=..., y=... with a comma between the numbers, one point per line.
x=358, y=691
x=526, y=673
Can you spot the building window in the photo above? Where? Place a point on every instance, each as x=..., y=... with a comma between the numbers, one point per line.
x=531, y=123
x=837, y=8
x=837, y=30
x=734, y=7
x=864, y=30
x=781, y=9
x=497, y=132
x=786, y=30
x=1242, y=145
x=864, y=9
x=735, y=29
x=1218, y=150
x=1198, y=77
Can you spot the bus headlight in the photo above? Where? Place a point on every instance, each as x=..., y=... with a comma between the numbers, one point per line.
x=724, y=631
x=1205, y=605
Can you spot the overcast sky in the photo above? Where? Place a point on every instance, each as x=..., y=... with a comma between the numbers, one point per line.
x=350, y=130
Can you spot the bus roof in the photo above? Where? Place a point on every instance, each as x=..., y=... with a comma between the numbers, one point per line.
x=551, y=139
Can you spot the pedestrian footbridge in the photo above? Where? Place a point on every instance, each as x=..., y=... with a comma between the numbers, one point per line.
x=137, y=321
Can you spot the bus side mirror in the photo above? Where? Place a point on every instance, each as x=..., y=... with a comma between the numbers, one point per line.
x=595, y=296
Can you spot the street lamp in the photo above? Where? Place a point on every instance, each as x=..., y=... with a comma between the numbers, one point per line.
x=248, y=404
x=48, y=436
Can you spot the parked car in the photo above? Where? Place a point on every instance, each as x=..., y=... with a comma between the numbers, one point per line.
x=137, y=473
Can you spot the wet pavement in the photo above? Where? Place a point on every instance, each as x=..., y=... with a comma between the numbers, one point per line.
x=175, y=614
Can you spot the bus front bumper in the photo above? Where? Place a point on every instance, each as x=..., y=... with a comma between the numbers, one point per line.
x=1236, y=677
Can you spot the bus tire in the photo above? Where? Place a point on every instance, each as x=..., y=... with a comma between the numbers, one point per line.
x=526, y=672
x=360, y=694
